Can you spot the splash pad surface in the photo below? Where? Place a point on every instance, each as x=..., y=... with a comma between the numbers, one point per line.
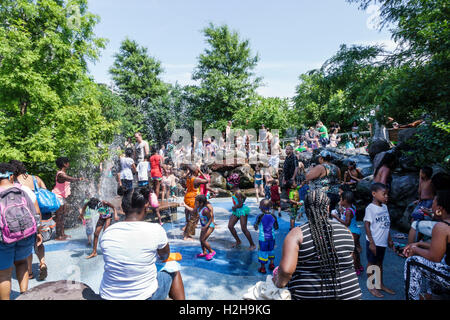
x=227, y=277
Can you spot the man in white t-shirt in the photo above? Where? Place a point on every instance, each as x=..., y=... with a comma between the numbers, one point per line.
x=130, y=250
x=377, y=223
x=141, y=148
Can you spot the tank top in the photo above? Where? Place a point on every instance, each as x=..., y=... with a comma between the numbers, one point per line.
x=329, y=182
x=204, y=218
x=306, y=280
x=62, y=190
x=353, y=227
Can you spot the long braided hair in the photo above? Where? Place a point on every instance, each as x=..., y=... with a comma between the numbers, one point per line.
x=316, y=208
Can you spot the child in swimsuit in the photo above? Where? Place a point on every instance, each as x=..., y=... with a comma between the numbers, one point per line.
x=267, y=223
x=206, y=215
x=240, y=213
x=296, y=203
x=104, y=220
x=258, y=182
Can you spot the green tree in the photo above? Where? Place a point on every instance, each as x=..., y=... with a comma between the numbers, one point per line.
x=273, y=112
x=49, y=103
x=137, y=77
x=227, y=82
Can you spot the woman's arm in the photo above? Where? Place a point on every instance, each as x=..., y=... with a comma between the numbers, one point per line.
x=437, y=248
x=289, y=258
x=41, y=183
x=63, y=177
x=164, y=253
x=315, y=173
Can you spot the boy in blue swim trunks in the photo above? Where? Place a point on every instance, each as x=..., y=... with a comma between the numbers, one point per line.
x=267, y=223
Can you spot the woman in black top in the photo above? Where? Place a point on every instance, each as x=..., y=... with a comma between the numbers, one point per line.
x=316, y=261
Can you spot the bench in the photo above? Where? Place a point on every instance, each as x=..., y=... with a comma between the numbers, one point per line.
x=167, y=210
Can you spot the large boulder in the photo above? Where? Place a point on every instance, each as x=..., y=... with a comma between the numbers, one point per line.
x=407, y=164
x=363, y=189
x=247, y=175
x=218, y=181
x=363, y=163
x=405, y=134
x=222, y=193
x=60, y=290
x=404, y=189
x=377, y=146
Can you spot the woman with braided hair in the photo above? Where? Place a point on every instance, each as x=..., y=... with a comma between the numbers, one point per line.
x=316, y=260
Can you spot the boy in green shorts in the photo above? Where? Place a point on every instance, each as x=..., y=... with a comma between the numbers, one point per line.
x=295, y=202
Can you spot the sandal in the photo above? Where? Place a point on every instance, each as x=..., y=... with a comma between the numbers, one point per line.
x=201, y=255
x=43, y=272
x=210, y=256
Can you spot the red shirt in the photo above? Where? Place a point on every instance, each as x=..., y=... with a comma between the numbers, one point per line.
x=274, y=193
x=155, y=165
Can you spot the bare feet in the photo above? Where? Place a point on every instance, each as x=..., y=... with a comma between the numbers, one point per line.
x=253, y=247
x=188, y=239
x=236, y=245
x=387, y=290
x=67, y=236
x=183, y=229
x=376, y=293
x=61, y=238
x=92, y=255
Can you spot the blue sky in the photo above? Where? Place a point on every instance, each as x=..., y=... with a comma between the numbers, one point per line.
x=290, y=36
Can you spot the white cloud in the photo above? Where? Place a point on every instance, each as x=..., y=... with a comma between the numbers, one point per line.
x=373, y=21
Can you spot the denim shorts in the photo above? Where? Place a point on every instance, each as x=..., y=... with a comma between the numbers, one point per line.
x=11, y=252
x=164, y=283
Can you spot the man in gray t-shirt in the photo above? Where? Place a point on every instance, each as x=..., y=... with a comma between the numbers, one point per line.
x=141, y=148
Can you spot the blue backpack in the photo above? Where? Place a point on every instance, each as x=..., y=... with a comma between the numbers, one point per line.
x=47, y=200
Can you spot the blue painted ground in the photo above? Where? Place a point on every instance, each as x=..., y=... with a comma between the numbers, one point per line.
x=227, y=277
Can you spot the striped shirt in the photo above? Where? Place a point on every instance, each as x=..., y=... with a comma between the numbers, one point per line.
x=306, y=281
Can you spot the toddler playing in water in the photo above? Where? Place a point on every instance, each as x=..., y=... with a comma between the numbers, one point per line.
x=267, y=223
x=296, y=204
x=240, y=213
x=206, y=214
x=104, y=220
x=275, y=196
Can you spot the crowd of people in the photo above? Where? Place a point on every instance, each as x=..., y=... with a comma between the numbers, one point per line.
x=320, y=259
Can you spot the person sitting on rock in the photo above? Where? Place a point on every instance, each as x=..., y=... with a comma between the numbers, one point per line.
x=426, y=195
x=429, y=262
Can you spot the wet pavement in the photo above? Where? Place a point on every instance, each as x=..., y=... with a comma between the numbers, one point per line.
x=227, y=277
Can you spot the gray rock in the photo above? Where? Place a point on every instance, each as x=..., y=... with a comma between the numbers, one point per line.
x=218, y=181
x=377, y=146
x=406, y=134
x=404, y=187
x=407, y=164
x=247, y=176
x=60, y=290
x=222, y=193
